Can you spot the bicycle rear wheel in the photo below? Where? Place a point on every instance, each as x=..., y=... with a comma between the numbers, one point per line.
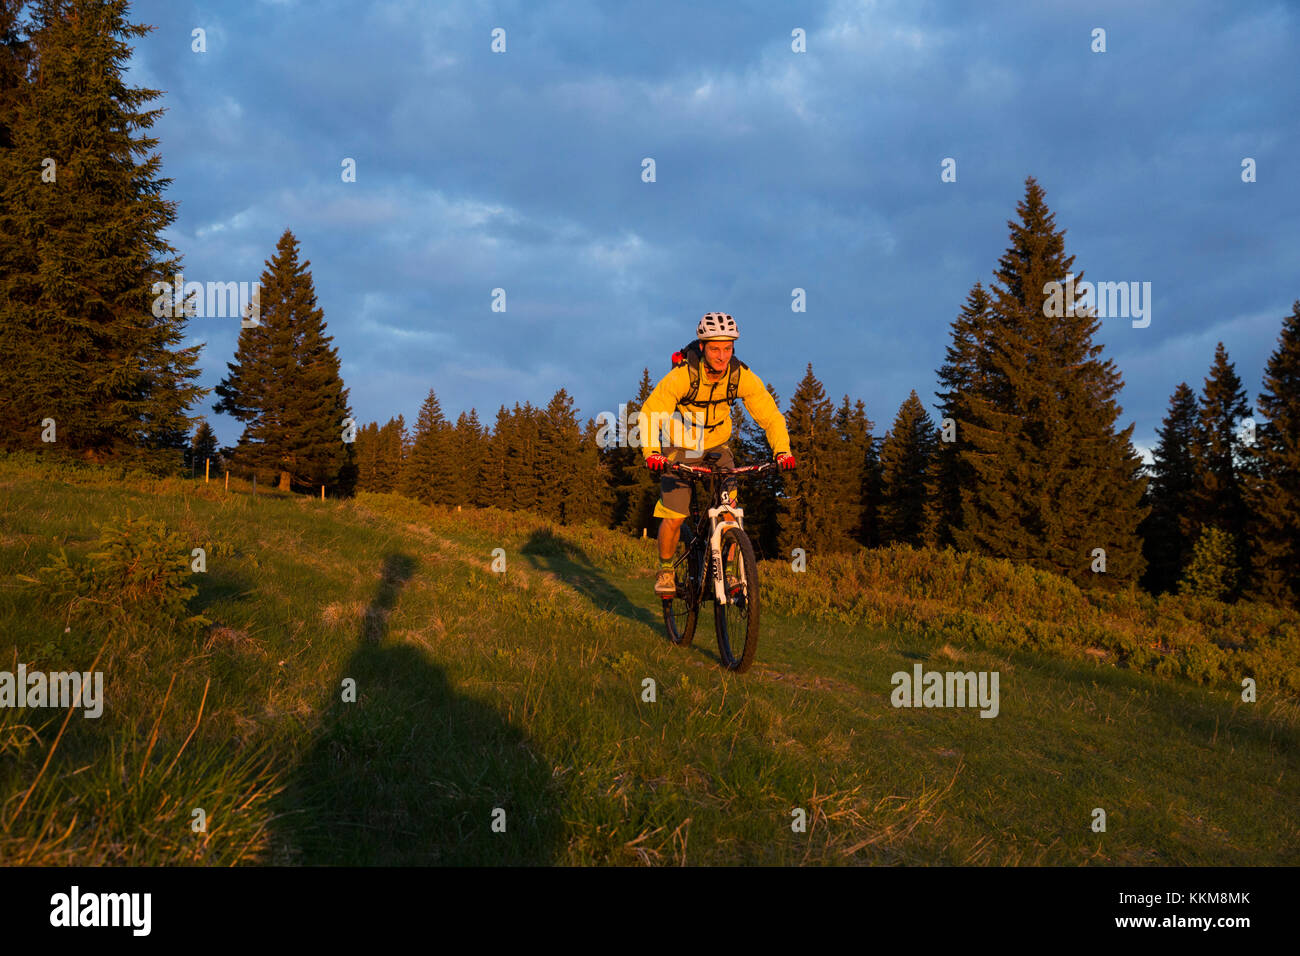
x=736, y=621
x=681, y=612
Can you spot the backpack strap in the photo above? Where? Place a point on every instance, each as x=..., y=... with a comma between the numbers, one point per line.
x=733, y=379
x=692, y=359
x=693, y=373
x=689, y=355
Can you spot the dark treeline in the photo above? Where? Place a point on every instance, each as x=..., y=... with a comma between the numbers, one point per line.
x=1025, y=457
x=1023, y=461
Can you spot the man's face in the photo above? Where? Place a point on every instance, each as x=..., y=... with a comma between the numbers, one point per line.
x=717, y=354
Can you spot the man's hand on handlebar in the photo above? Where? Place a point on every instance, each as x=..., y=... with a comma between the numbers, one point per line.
x=656, y=462
x=786, y=461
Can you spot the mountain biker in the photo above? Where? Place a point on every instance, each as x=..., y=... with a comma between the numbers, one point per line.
x=705, y=427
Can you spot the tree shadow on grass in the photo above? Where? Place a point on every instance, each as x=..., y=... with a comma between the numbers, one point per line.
x=412, y=772
x=220, y=584
x=548, y=551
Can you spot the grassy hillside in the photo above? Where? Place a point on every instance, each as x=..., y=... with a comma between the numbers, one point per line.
x=522, y=692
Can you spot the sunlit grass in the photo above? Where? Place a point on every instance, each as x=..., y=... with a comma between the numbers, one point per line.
x=519, y=698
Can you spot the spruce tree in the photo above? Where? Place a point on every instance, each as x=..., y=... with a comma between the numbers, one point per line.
x=558, y=441
x=1273, y=491
x=622, y=461
x=1212, y=572
x=957, y=379
x=1054, y=484
x=1166, y=545
x=15, y=61
x=493, y=488
x=460, y=449
x=432, y=468
x=906, y=465
x=393, y=447
x=592, y=497
x=611, y=458
x=284, y=384
x=637, y=484
x=759, y=497
x=375, y=471
x=808, y=520
x=81, y=247
x=870, y=482
x=856, y=488
x=525, y=478
x=1218, y=459
x=366, y=451
x=469, y=447
x=204, y=445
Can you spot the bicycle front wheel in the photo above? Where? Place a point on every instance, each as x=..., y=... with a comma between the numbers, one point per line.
x=736, y=620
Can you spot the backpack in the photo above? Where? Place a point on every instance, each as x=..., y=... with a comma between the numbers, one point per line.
x=691, y=355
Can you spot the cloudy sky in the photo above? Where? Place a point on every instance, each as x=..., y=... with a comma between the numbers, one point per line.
x=775, y=170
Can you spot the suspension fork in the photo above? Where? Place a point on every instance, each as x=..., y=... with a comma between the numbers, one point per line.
x=719, y=523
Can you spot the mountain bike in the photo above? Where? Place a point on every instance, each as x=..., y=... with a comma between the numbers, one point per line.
x=715, y=562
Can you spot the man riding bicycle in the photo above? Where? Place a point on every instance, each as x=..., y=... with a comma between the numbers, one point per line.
x=702, y=384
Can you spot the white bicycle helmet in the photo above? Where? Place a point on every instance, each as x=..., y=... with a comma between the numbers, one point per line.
x=717, y=325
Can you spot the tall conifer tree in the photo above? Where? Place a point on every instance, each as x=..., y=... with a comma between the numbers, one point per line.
x=1273, y=490
x=558, y=443
x=470, y=444
x=366, y=452
x=592, y=497
x=759, y=497
x=497, y=464
x=1171, y=493
x=203, y=447
x=1054, y=485
x=81, y=247
x=957, y=379
x=394, y=445
x=1218, y=460
x=525, y=477
x=284, y=384
x=15, y=60
x=906, y=465
x=637, y=484
x=856, y=496
x=432, y=469
x=808, y=520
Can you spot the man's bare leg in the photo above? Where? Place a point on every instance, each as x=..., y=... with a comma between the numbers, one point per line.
x=670, y=530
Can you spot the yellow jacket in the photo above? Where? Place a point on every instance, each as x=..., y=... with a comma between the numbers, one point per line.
x=689, y=427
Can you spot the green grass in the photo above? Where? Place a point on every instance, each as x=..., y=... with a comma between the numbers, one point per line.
x=522, y=692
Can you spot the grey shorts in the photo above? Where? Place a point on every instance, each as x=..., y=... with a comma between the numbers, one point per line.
x=675, y=491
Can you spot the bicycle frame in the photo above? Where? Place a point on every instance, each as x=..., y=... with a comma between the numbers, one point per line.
x=720, y=507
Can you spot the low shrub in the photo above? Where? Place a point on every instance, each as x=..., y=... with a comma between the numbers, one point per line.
x=139, y=575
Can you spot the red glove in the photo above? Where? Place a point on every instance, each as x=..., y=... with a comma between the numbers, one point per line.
x=655, y=462
x=786, y=461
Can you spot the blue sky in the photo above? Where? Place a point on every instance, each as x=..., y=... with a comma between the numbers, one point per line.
x=775, y=170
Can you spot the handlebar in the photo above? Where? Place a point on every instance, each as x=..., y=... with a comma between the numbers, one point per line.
x=702, y=471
